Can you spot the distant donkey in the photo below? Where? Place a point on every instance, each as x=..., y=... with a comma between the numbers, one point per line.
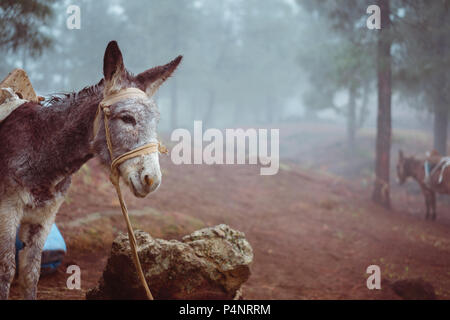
x=431, y=174
x=42, y=146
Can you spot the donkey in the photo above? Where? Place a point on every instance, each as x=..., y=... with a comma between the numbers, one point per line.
x=415, y=168
x=41, y=147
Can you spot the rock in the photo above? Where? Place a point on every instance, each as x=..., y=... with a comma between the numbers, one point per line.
x=414, y=289
x=210, y=263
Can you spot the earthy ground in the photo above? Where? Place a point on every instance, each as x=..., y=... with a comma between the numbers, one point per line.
x=313, y=232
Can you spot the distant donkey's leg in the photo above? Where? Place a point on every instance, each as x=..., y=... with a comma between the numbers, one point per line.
x=433, y=205
x=10, y=214
x=427, y=197
x=427, y=205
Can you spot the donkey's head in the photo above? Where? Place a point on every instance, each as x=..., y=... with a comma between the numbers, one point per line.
x=402, y=168
x=132, y=121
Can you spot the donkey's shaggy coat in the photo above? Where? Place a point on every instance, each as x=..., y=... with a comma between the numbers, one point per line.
x=42, y=146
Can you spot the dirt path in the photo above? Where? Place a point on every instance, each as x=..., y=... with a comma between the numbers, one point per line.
x=313, y=234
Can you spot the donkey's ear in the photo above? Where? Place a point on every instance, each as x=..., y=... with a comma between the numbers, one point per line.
x=112, y=62
x=153, y=78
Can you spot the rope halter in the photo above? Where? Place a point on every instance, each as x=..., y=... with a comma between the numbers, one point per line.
x=104, y=106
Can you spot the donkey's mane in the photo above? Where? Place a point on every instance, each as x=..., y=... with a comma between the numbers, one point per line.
x=70, y=98
x=87, y=93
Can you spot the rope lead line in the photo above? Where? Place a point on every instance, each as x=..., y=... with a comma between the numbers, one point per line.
x=133, y=245
x=115, y=178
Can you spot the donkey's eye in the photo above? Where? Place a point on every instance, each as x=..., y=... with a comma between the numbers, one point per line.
x=128, y=119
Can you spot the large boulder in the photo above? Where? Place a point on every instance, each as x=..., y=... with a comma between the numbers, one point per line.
x=210, y=263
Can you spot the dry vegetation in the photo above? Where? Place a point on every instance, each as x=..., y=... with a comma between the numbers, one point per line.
x=313, y=232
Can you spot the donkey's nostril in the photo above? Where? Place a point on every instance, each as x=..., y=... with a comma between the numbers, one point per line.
x=148, y=180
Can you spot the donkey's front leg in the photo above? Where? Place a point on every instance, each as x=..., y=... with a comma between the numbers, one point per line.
x=7, y=263
x=427, y=196
x=10, y=215
x=34, y=230
x=33, y=236
x=433, y=205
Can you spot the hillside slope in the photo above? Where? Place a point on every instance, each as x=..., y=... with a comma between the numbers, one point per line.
x=313, y=234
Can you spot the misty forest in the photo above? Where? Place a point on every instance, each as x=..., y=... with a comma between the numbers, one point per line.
x=362, y=114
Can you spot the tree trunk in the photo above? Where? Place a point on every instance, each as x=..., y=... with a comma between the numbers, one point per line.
x=440, y=101
x=351, y=120
x=440, y=128
x=383, y=141
x=364, y=109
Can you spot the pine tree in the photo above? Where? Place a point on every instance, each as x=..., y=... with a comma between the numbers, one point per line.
x=21, y=25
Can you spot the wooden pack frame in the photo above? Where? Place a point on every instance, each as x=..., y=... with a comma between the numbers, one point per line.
x=19, y=82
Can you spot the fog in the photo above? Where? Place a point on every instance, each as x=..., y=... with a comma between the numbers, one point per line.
x=357, y=100
x=247, y=63
x=240, y=58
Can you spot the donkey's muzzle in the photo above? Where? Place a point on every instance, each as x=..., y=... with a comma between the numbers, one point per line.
x=148, y=181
